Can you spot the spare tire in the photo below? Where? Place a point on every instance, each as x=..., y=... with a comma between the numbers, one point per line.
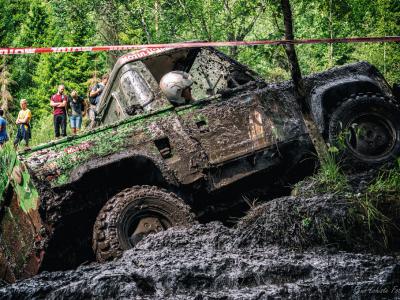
x=134, y=213
x=366, y=128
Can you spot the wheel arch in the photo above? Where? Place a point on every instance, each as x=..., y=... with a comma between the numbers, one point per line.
x=119, y=219
x=326, y=98
x=377, y=142
x=122, y=170
x=90, y=187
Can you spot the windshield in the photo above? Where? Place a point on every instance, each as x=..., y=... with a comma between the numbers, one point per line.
x=210, y=70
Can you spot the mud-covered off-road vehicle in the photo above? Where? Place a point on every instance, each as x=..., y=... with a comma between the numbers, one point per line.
x=148, y=165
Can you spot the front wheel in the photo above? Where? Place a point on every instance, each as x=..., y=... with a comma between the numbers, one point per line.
x=133, y=214
x=367, y=129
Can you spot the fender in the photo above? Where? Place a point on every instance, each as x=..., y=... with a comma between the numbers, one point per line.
x=126, y=155
x=323, y=99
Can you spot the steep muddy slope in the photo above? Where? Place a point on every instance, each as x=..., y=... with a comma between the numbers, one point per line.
x=248, y=262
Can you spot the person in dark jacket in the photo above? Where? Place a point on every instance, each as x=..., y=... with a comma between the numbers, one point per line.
x=94, y=97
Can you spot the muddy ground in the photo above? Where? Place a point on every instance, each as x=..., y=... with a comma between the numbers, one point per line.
x=292, y=247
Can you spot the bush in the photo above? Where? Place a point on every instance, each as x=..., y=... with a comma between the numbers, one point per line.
x=7, y=154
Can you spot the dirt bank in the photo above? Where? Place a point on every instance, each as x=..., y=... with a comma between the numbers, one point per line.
x=214, y=262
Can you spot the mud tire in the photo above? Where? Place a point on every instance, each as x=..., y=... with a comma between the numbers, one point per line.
x=379, y=119
x=109, y=233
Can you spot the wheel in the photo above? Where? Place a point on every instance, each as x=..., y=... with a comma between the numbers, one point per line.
x=367, y=129
x=133, y=214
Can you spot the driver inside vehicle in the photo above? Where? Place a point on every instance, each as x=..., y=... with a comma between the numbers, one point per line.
x=176, y=86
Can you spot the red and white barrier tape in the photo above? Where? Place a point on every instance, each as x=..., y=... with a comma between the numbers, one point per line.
x=14, y=51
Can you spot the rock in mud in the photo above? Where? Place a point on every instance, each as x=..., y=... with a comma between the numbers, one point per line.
x=211, y=262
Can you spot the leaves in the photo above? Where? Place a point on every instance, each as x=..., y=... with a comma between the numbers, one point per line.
x=40, y=23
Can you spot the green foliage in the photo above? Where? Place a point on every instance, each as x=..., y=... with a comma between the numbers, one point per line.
x=371, y=211
x=388, y=181
x=306, y=222
x=7, y=153
x=42, y=131
x=40, y=23
x=378, y=215
x=5, y=82
x=329, y=176
x=381, y=200
x=328, y=179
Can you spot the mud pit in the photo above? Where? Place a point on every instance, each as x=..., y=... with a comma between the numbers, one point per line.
x=243, y=139
x=268, y=254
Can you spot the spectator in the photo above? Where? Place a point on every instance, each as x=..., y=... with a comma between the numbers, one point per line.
x=94, y=97
x=59, y=103
x=77, y=106
x=3, y=129
x=23, y=123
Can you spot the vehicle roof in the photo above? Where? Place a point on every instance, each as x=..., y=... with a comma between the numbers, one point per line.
x=138, y=54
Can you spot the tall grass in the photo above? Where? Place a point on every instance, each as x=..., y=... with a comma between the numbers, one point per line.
x=388, y=181
x=328, y=179
x=331, y=175
x=43, y=131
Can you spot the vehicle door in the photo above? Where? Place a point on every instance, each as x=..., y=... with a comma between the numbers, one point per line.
x=135, y=91
x=226, y=128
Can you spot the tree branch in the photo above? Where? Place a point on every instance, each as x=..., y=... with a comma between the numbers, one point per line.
x=189, y=16
x=243, y=31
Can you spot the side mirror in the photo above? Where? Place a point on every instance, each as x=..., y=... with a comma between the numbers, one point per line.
x=396, y=90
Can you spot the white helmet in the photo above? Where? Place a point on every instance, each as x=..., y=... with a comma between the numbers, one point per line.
x=173, y=83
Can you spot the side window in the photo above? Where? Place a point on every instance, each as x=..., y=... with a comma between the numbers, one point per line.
x=114, y=111
x=135, y=90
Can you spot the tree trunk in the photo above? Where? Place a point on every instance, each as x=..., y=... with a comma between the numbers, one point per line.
x=315, y=135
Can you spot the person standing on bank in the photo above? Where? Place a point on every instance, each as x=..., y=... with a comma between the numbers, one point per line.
x=3, y=129
x=94, y=96
x=59, y=103
x=77, y=108
x=23, y=122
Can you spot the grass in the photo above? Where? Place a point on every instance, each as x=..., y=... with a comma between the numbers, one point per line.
x=375, y=211
x=378, y=214
x=328, y=179
x=43, y=131
x=381, y=201
x=388, y=181
x=330, y=175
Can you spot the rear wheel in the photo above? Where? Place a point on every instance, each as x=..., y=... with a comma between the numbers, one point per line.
x=367, y=129
x=133, y=214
